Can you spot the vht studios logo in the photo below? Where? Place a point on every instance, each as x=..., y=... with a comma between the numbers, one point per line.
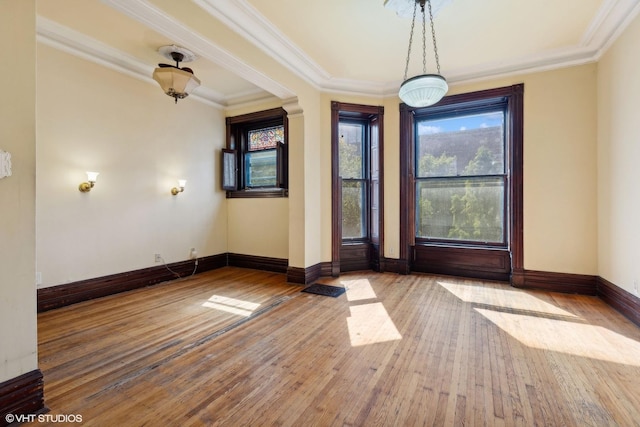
x=43, y=418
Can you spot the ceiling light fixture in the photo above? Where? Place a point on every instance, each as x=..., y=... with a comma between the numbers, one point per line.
x=424, y=89
x=175, y=81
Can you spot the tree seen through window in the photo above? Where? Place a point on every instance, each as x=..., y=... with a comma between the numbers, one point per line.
x=352, y=172
x=460, y=178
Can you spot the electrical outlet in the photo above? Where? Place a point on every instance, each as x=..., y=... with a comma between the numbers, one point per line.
x=193, y=254
x=38, y=278
x=635, y=286
x=158, y=258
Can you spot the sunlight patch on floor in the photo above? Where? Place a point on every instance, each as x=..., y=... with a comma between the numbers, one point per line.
x=370, y=324
x=358, y=290
x=503, y=297
x=579, y=339
x=231, y=305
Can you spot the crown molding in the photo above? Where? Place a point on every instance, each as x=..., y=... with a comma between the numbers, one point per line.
x=526, y=65
x=74, y=43
x=152, y=17
x=551, y=60
x=245, y=20
x=610, y=21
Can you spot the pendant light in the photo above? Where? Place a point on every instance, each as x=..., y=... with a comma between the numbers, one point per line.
x=424, y=89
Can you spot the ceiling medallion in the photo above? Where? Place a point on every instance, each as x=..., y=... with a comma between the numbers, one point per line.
x=175, y=81
x=404, y=8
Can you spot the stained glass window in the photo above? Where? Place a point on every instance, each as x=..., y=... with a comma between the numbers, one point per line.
x=263, y=139
x=259, y=142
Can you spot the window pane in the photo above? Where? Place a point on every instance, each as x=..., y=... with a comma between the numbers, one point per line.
x=353, y=214
x=266, y=138
x=350, y=142
x=229, y=165
x=471, y=144
x=261, y=169
x=461, y=209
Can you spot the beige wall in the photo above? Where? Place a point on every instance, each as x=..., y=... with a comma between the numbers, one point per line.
x=259, y=227
x=18, y=340
x=560, y=227
x=619, y=161
x=141, y=143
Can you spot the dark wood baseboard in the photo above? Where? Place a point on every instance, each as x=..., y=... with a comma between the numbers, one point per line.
x=212, y=262
x=616, y=297
x=517, y=278
x=277, y=265
x=556, y=282
x=71, y=293
x=394, y=265
x=623, y=301
x=305, y=276
x=23, y=395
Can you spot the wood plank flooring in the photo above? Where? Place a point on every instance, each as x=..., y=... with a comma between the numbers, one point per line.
x=237, y=347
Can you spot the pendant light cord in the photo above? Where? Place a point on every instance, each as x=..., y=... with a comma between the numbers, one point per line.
x=433, y=36
x=413, y=23
x=424, y=39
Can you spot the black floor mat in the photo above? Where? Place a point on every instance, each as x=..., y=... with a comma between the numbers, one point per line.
x=326, y=290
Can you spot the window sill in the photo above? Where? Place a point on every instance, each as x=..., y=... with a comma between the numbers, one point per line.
x=258, y=194
x=461, y=245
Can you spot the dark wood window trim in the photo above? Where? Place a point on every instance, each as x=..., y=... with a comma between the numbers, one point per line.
x=483, y=262
x=237, y=128
x=372, y=250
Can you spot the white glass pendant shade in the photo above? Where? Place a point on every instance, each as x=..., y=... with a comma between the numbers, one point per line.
x=175, y=81
x=423, y=90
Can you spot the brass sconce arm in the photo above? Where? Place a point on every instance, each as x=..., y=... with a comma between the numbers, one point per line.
x=179, y=188
x=85, y=187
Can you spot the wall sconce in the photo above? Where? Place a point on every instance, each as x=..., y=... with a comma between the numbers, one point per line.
x=5, y=164
x=180, y=188
x=85, y=187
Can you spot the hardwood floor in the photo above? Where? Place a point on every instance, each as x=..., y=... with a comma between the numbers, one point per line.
x=236, y=347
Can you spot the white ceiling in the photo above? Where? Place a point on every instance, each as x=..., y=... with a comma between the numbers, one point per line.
x=353, y=46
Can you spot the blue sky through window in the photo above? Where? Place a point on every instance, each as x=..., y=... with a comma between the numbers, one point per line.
x=455, y=124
